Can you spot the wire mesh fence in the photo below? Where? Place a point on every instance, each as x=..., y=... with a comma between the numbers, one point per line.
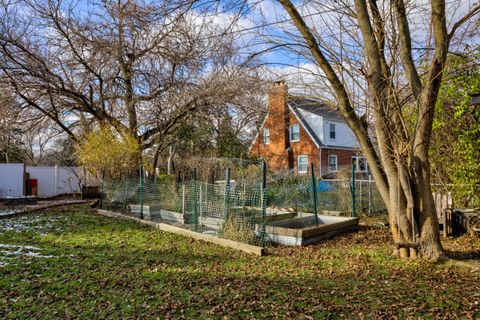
x=231, y=205
x=295, y=193
x=368, y=198
x=232, y=198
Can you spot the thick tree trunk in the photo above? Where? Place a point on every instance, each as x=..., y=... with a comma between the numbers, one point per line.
x=170, y=160
x=412, y=215
x=429, y=234
x=398, y=156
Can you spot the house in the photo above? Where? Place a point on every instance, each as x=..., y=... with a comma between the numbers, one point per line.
x=298, y=131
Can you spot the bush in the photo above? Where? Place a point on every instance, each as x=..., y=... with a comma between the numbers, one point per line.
x=164, y=177
x=104, y=152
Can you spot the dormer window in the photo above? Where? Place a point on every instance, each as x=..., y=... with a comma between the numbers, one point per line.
x=294, y=133
x=266, y=136
x=332, y=130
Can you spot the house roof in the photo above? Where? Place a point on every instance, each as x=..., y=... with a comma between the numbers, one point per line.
x=306, y=110
x=310, y=114
x=316, y=107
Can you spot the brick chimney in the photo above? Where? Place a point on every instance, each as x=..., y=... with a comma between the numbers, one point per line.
x=277, y=96
x=279, y=113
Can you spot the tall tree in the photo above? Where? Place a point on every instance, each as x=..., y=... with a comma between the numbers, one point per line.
x=11, y=145
x=376, y=46
x=139, y=66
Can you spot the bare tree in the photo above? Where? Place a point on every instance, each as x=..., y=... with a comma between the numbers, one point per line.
x=24, y=136
x=372, y=42
x=39, y=137
x=10, y=128
x=221, y=131
x=138, y=66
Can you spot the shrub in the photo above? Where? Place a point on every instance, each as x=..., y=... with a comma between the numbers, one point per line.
x=105, y=152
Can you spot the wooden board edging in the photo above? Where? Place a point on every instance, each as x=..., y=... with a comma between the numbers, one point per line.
x=248, y=248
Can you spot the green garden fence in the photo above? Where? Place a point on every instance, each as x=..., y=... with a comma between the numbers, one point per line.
x=231, y=205
x=232, y=198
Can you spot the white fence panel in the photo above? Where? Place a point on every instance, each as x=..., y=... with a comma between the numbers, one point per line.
x=11, y=179
x=53, y=181
x=69, y=180
x=45, y=180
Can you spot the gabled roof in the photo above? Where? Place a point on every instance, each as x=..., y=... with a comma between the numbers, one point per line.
x=311, y=131
x=302, y=107
x=316, y=107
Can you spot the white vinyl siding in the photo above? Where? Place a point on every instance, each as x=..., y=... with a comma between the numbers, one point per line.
x=344, y=136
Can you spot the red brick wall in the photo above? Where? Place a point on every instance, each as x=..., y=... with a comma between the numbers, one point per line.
x=278, y=114
x=305, y=147
x=344, y=158
x=278, y=122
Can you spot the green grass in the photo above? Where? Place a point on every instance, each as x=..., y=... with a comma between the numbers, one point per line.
x=93, y=267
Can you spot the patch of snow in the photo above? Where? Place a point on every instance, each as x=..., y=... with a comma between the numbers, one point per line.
x=20, y=247
x=28, y=251
x=40, y=225
x=8, y=212
x=28, y=222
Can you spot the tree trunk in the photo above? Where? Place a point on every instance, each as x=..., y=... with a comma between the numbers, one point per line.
x=412, y=215
x=155, y=159
x=170, y=160
x=429, y=234
x=397, y=156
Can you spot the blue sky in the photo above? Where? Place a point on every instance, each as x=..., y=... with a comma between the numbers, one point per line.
x=264, y=22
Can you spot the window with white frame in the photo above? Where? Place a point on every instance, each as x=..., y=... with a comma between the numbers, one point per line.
x=332, y=131
x=360, y=164
x=266, y=136
x=294, y=133
x=332, y=163
x=302, y=164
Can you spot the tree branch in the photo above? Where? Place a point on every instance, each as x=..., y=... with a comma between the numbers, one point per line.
x=473, y=11
x=406, y=49
x=344, y=102
x=430, y=91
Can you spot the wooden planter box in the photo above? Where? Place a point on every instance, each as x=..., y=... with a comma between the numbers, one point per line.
x=303, y=230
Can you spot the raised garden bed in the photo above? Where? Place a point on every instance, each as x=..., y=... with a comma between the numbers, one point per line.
x=303, y=230
x=293, y=229
x=150, y=212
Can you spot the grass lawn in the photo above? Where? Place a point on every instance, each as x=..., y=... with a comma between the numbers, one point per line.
x=68, y=263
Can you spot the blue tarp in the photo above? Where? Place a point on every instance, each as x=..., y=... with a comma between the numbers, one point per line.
x=322, y=186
